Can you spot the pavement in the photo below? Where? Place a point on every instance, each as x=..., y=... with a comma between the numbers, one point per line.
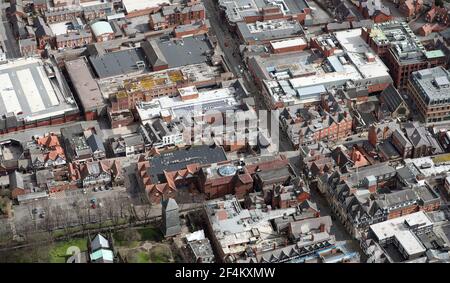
x=7, y=38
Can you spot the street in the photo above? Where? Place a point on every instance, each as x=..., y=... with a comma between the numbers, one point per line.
x=6, y=36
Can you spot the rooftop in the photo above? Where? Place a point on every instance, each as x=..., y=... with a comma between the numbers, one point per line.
x=84, y=84
x=405, y=45
x=433, y=85
x=137, y=5
x=179, y=159
x=235, y=227
x=298, y=77
x=268, y=30
x=217, y=99
x=400, y=228
x=186, y=51
x=32, y=89
x=119, y=63
x=236, y=11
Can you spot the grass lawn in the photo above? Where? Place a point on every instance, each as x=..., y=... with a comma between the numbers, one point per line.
x=160, y=254
x=58, y=251
x=141, y=257
x=150, y=233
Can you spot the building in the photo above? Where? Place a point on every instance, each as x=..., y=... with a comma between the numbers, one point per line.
x=46, y=151
x=100, y=250
x=402, y=52
x=62, y=13
x=75, y=140
x=263, y=32
x=127, y=145
x=177, y=15
x=34, y=94
x=86, y=88
x=102, y=31
x=429, y=89
x=235, y=230
x=375, y=10
x=410, y=8
x=164, y=52
x=438, y=14
x=135, y=8
x=164, y=172
x=199, y=248
x=403, y=234
x=253, y=11
x=394, y=102
x=28, y=47
x=123, y=62
x=288, y=45
x=170, y=218
x=96, y=9
x=299, y=78
x=73, y=38
x=332, y=123
x=190, y=101
x=159, y=134
x=92, y=174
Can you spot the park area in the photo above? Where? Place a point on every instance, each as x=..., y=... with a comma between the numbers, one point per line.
x=135, y=245
x=143, y=245
x=54, y=252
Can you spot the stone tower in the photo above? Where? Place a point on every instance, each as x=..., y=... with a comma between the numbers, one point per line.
x=171, y=218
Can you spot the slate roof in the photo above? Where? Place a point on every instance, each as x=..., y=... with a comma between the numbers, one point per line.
x=95, y=143
x=392, y=98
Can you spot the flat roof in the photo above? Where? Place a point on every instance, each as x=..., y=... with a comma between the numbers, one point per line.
x=288, y=43
x=186, y=51
x=136, y=5
x=28, y=91
x=433, y=85
x=85, y=85
x=118, y=62
x=237, y=10
x=216, y=99
x=267, y=30
x=388, y=229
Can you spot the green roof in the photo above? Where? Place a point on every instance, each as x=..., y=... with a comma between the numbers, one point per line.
x=434, y=54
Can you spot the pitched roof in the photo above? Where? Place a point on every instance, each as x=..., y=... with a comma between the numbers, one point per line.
x=170, y=204
x=153, y=53
x=95, y=143
x=392, y=98
x=99, y=242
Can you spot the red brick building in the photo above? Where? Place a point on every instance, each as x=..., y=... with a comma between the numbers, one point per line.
x=411, y=8
x=175, y=15
x=396, y=51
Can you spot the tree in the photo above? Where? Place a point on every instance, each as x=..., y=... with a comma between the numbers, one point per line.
x=439, y=3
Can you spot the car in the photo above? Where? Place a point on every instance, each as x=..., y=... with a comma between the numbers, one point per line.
x=93, y=206
x=84, y=191
x=42, y=215
x=349, y=139
x=95, y=189
x=100, y=188
x=34, y=211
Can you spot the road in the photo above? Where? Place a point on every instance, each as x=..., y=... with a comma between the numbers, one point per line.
x=7, y=38
x=230, y=50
